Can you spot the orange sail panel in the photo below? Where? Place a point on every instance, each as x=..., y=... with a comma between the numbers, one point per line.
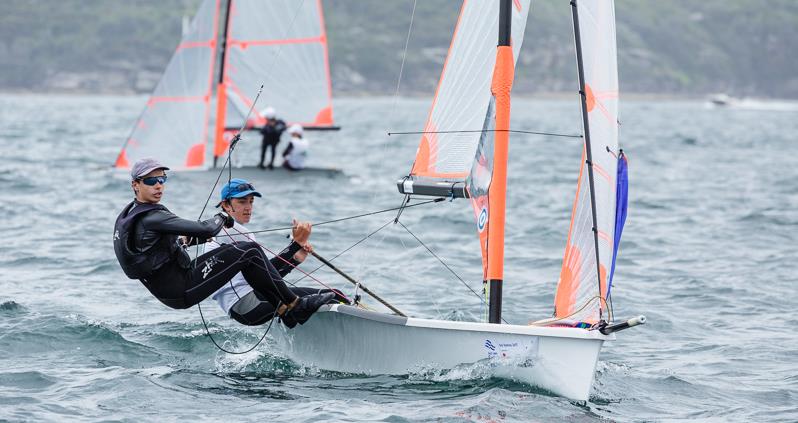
x=582, y=288
x=281, y=44
x=174, y=124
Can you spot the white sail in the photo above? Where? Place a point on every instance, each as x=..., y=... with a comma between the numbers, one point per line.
x=463, y=93
x=579, y=279
x=281, y=44
x=174, y=123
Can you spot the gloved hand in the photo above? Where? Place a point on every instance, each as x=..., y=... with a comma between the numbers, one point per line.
x=228, y=220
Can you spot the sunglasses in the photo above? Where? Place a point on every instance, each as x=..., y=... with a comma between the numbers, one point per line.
x=239, y=189
x=152, y=180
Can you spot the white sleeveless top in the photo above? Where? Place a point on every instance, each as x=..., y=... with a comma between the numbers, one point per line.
x=231, y=292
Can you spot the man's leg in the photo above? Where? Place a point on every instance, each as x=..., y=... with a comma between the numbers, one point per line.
x=262, y=153
x=215, y=268
x=273, y=147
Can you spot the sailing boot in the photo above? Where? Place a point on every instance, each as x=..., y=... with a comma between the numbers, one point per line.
x=307, y=305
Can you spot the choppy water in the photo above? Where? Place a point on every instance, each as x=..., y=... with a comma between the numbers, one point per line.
x=709, y=255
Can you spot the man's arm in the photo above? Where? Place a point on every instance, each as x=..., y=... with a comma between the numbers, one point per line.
x=285, y=262
x=166, y=222
x=288, y=149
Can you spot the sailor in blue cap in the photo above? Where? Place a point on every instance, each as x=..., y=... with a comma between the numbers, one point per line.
x=236, y=298
x=146, y=244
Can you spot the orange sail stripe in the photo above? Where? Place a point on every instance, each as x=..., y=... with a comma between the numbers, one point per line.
x=602, y=172
x=176, y=99
x=247, y=43
x=195, y=44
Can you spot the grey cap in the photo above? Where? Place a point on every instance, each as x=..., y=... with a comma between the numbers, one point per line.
x=145, y=166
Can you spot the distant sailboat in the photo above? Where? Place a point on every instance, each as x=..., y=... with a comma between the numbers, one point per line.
x=558, y=354
x=230, y=48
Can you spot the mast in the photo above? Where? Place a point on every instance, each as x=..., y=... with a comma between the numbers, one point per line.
x=588, y=152
x=500, y=87
x=221, y=91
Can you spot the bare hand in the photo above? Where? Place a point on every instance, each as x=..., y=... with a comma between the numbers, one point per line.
x=302, y=254
x=300, y=231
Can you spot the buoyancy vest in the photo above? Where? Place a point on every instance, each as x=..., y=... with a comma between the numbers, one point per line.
x=138, y=264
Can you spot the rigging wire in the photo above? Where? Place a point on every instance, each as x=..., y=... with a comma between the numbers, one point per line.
x=327, y=222
x=347, y=249
x=444, y=264
x=512, y=131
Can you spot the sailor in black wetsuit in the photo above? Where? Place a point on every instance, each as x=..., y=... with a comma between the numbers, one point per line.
x=271, y=131
x=147, y=247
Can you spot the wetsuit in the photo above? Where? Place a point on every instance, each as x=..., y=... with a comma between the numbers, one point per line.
x=271, y=137
x=238, y=299
x=146, y=245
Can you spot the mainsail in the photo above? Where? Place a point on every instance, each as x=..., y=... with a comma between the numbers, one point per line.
x=281, y=44
x=174, y=122
x=583, y=285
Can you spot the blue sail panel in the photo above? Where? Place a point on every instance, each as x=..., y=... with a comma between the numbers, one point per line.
x=621, y=200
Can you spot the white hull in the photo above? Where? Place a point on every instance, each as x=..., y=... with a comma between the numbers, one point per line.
x=347, y=339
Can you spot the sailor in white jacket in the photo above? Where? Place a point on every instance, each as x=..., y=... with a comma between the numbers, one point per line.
x=296, y=153
x=237, y=298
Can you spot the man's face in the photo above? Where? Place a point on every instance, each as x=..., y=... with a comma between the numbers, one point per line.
x=240, y=208
x=149, y=193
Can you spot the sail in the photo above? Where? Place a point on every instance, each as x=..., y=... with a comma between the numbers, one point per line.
x=281, y=44
x=174, y=124
x=583, y=283
x=463, y=95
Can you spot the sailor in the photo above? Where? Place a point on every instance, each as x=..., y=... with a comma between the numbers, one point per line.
x=236, y=298
x=148, y=247
x=271, y=131
x=296, y=153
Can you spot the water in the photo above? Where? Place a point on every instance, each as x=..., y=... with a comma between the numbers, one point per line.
x=708, y=255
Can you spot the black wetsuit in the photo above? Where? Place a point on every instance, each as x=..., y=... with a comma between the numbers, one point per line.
x=271, y=137
x=168, y=272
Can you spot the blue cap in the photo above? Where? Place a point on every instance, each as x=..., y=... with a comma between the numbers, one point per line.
x=237, y=188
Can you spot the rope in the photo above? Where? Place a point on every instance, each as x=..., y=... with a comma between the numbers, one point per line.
x=208, y=332
x=513, y=131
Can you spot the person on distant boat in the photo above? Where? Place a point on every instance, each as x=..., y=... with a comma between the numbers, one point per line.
x=150, y=243
x=236, y=298
x=296, y=153
x=272, y=131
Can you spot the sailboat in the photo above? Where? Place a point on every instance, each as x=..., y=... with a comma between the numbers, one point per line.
x=558, y=354
x=229, y=50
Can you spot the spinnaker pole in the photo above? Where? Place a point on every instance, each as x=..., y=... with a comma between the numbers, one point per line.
x=501, y=86
x=219, y=145
x=588, y=152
